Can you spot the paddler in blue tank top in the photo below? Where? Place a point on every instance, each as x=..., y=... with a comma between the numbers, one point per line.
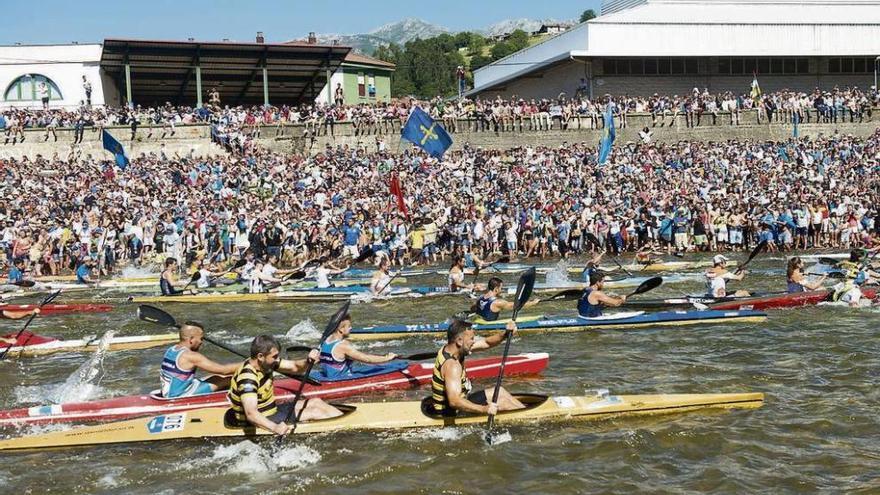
x=489, y=305
x=182, y=360
x=797, y=281
x=168, y=278
x=593, y=300
x=339, y=358
x=592, y=267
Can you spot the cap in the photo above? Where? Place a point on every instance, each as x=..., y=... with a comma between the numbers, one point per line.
x=718, y=259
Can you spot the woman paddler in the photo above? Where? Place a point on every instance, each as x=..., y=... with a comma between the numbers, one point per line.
x=340, y=360
x=797, y=281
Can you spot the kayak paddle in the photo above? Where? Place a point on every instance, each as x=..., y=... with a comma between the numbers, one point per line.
x=592, y=238
x=24, y=283
x=332, y=325
x=503, y=259
x=195, y=278
x=760, y=247
x=523, y=293
x=566, y=295
x=650, y=284
x=51, y=297
x=828, y=261
x=155, y=315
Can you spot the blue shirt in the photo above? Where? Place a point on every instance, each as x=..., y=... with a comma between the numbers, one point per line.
x=15, y=275
x=82, y=273
x=352, y=234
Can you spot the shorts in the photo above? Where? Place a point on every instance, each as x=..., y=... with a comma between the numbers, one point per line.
x=736, y=237
x=802, y=231
x=352, y=251
x=700, y=240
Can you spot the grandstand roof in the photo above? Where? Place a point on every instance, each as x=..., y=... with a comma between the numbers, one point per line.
x=165, y=70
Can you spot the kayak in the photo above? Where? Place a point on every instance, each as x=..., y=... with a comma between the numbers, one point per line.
x=414, y=376
x=656, y=267
x=635, y=319
x=359, y=273
x=58, y=309
x=31, y=345
x=211, y=422
x=72, y=278
x=205, y=297
x=777, y=301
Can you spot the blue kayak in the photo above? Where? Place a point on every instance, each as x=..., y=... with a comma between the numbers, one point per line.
x=636, y=319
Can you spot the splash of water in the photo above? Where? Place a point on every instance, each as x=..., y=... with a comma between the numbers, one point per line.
x=304, y=330
x=82, y=385
x=558, y=276
x=138, y=272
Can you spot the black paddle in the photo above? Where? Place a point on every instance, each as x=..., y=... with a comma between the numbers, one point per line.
x=650, y=284
x=155, y=315
x=332, y=325
x=51, y=297
x=24, y=283
x=523, y=293
x=571, y=294
x=412, y=357
x=760, y=247
x=195, y=278
x=502, y=260
x=592, y=238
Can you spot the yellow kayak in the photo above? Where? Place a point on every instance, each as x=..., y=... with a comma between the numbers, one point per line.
x=212, y=422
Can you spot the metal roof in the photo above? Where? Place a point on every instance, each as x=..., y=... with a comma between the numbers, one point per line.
x=165, y=70
x=747, y=12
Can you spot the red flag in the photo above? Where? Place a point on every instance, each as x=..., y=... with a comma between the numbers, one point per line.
x=398, y=193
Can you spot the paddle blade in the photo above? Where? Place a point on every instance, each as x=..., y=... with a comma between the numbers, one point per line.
x=366, y=253
x=297, y=275
x=524, y=289
x=592, y=238
x=828, y=261
x=51, y=297
x=334, y=322
x=25, y=283
x=759, y=248
x=502, y=260
x=298, y=348
x=153, y=314
x=238, y=264
x=566, y=295
x=422, y=356
x=650, y=284
x=196, y=276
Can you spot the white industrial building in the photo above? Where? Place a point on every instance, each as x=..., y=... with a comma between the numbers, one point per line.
x=641, y=47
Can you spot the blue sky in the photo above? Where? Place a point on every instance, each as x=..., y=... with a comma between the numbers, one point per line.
x=63, y=21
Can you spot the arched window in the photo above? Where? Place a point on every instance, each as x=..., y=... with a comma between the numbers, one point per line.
x=27, y=88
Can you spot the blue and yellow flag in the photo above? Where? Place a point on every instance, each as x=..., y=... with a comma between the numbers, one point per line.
x=113, y=146
x=422, y=131
x=608, y=136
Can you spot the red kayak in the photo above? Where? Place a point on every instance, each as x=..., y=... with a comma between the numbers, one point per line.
x=58, y=309
x=417, y=374
x=776, y=301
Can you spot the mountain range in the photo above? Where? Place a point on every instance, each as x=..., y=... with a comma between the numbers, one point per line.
x=411, y=28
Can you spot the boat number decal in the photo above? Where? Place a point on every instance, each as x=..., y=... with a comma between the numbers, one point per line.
x=564, y=402
x=746, y=307
x=166, y=423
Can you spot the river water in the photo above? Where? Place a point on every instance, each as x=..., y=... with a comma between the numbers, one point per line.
x=817, y=431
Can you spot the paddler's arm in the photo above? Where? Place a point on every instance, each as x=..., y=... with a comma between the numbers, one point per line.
x=799, y=278
x=350, y=352
x=609, y=300
x=452, y=377
x=201, y=362
x=493, y=340
x=256, y=418
x=17, y=315
x=298, y=365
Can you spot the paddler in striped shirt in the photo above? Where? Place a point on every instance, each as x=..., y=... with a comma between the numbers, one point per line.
x=252, y=393
x=182, y=360
x=451, y=390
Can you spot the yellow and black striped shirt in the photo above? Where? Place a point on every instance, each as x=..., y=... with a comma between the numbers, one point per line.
x=251, y=380
x=438, y=384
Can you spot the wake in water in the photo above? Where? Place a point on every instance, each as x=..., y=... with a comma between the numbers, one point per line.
x=248, y=458
x=558, y=276
x=82, y=385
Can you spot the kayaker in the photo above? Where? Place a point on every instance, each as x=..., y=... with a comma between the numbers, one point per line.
x=339, y=357
x=380, y=284
x=717, y=277
x=489, y=306
x=797, y=281
x=592, y=266
x=856, y=268
x=16, y=315
x=451, y=390
x=16, y=272
x=593, y=300
x=456, y=276
x=168, y=278
x=324, y=271
x=181, y=361
x=252, y=391
x=849, y=292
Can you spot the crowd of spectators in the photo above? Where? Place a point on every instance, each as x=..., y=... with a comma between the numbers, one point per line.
x=525, y=201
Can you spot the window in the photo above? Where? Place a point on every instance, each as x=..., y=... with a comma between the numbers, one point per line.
x=834, y=65
x=677, y=66
x=663, y=66
x=859, y=65
x=803, y=66
x=724, y=66
x=650, y=66
x=690, y=66
x=766, y=65
x=736, y=66
x=623, y=66
x=608, y=66
x=27, y=88
x=362, y=88
x=636, y=66
x=371, y=86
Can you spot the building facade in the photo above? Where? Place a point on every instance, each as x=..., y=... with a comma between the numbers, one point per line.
x=362, y=79
x=641, y=47
x=23, y=68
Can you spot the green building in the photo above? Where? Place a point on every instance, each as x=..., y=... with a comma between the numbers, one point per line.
x=362, y=79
